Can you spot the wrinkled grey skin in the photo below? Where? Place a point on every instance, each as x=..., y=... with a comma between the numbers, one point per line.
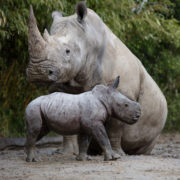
x=83, y=114
x=80, y=52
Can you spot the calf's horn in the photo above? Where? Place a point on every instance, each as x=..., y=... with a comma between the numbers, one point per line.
x=36, y=43
x=116, y=82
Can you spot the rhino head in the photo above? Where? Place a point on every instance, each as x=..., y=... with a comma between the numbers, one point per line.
x=123, y=108
x=60, y=57
x=116, y=104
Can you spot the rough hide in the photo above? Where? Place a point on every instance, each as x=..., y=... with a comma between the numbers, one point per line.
x=83, y=114
x=80, y=52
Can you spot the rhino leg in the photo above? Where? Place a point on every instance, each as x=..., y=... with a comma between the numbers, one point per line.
x=36, y=129
x=83, y=141
x=31, y=139
x=143, y=148
x=99, y=133
x=148, y=148
x=70, y=145
x=30, y=147
x=115, y=129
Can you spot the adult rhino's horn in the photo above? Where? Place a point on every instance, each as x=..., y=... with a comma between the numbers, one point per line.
x=116, y=82
x=46, y=35
x=36, y=43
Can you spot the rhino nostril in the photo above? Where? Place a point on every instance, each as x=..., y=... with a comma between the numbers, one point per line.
x=50, y=72
x=138, y=115
x=67, y=51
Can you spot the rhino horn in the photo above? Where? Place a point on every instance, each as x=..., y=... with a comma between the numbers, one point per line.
x=36, y=43
x=116, y=82
x=46, y=36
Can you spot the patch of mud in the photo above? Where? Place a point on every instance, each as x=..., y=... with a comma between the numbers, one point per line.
x=164, y=163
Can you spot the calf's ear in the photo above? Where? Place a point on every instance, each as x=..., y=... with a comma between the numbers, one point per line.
x=115, y=83
x=81, y=11
x=56, y=14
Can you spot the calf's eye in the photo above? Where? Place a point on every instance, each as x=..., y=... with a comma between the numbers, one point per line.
x=126, y=105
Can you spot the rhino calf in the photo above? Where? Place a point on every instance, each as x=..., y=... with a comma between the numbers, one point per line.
x=82, y=114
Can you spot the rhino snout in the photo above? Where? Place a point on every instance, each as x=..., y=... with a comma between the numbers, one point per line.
x=136, y=117
x=42, y=74
x=137, y=113
x=52, y=75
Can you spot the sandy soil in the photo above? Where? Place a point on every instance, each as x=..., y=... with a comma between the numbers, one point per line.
x=164, y=163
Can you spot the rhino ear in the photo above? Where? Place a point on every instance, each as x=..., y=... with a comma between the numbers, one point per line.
x=115, y=83
x=56, y=15
x=81, y=11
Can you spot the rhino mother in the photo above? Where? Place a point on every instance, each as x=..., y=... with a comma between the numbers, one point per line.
x=80, y=52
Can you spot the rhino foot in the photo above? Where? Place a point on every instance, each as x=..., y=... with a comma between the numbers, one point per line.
x=120, y=152
x=83, y=158
x=112, y=156
x=65, y=151
x=58, y=151
x=68, y=151
x=37, y=159
x=115, y=156
x=28, y=159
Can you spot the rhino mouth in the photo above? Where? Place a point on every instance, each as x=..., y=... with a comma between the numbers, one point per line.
x=41, y=83
x=38, y=79
x=67, y=87
x=133, y=119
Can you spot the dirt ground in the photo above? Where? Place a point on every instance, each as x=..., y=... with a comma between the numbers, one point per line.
x=164, y=163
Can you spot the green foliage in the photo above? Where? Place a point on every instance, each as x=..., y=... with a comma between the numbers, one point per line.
x=151, y=31
x=177, y=9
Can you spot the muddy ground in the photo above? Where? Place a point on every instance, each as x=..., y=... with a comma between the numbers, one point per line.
x=164, y=163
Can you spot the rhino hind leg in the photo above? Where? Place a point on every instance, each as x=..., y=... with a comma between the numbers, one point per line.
x=30, y=146
x=70, y=145
x=30, y=143
x=83, y=142
x=31, y=140
x=36, y=129
x=143, y=148
x=149, y=148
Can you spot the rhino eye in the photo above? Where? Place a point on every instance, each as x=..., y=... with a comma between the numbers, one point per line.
x=67, y=51
x=126, y=105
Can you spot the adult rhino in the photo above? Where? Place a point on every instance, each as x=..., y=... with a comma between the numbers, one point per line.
x=80, y=52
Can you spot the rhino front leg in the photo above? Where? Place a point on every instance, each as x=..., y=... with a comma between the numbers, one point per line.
x=99, y=133
x=115, y=129
x=83, y=141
